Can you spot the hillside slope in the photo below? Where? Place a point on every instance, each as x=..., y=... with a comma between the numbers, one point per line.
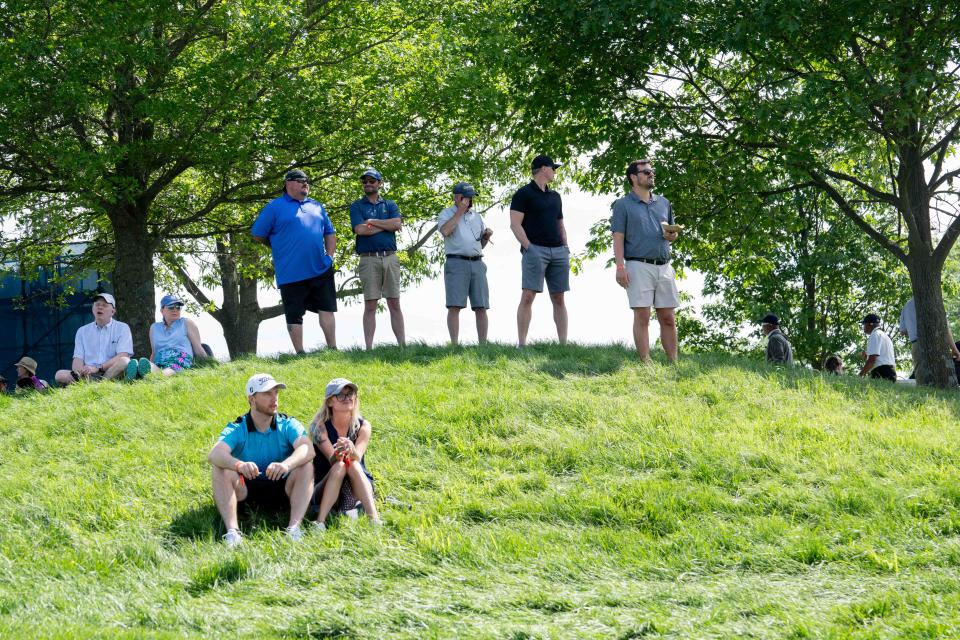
x=554, y=492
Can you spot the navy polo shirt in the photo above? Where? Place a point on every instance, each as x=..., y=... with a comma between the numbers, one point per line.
x=542, y=212
x=296, y=231
x=273, y=445
x=639, y=222
x=362, y=210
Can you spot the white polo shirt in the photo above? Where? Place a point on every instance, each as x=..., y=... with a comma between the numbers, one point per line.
x=465, y=239
x=95, y=345
x=879, y=344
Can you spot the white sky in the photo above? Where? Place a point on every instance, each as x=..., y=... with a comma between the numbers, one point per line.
x=596, y=305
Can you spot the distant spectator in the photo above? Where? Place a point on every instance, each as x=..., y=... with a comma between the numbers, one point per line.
x=27, y=376
x=908, y=328
x=779, y=350
x=464, y=273
x=880, y=361
x=376, y=222
x=341, y=435
x=833, y=364
x=536, y=220
x=174, y=341
x=303, y=243
x=101, y=349
x=262, y=457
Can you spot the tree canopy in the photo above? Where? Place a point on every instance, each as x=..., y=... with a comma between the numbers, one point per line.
x=141, y=125
x=858, y=100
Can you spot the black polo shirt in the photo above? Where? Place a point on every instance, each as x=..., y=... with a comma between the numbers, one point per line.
x=542, y=212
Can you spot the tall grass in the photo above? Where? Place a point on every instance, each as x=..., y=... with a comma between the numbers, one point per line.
x=553, y=492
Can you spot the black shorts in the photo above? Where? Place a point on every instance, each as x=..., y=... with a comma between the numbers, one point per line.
x=315, y=294
x=267, y=494
x=885, y=372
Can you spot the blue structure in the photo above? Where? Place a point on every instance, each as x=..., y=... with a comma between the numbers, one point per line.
x=39, y=318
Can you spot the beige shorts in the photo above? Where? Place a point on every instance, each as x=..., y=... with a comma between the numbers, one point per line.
x=380, y=276
x=651, y=285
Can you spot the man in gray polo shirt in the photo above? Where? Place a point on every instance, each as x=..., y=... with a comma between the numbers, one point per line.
x=641, y=250
x=464, y=274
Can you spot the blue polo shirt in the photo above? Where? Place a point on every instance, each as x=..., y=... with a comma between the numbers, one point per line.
x=362, y=210
x=296, y=231
x=249, y=445
x=639, y=222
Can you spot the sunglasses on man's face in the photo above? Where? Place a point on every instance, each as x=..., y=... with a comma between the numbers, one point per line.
x=647, y=172
x=369, y=181
x=175, y=306
x=301, y=181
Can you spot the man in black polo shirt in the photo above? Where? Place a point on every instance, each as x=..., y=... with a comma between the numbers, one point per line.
x=641, y=249
x=536, y=219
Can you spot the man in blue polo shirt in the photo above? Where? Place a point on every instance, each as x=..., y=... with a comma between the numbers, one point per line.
x=376, y=222
x=262, y=457
x=641, y=250
x=536, y=219
x=303, y=243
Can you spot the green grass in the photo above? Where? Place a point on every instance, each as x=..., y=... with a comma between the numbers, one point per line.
x=555, y=493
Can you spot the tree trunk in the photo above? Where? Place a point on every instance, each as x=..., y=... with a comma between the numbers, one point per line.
x=932, y=366
x=925, y=274
x=133, y=274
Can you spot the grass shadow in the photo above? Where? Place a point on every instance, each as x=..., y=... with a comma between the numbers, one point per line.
x=204, y=522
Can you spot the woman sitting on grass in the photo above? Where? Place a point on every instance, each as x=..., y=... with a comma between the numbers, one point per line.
x=341, y=436
x=174, y=342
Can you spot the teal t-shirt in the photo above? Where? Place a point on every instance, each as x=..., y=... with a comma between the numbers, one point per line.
x=274, y=445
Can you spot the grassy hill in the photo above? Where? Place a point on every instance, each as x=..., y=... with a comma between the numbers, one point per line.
x=554, y=492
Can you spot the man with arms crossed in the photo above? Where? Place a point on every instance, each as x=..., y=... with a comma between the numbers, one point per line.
x=303, y=243
x=376, y=222
x=464, y=274
x=536, y=219
x=641, y=250
x=262, y=457
x=101, y=349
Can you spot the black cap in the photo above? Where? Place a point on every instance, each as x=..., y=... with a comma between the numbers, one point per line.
x=543, y=161
x=871, y=318
x=770, y=319
x=295, y=174
x=464, y=189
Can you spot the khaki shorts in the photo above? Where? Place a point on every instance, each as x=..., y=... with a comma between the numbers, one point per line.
x=380, y=276
x=651, y=285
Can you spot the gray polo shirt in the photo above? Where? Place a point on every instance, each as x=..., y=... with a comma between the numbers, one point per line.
x=465, y=239
x=639, y=222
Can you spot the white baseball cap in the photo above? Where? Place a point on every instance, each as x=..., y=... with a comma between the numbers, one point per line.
x=106, y=298
x=262, y=382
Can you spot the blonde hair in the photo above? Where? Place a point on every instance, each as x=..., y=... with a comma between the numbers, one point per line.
x=326, y=413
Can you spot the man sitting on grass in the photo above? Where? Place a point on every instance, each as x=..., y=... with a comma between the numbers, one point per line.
x=262, y=457
x=102, y=348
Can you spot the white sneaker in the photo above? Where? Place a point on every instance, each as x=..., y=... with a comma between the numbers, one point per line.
x=295, y=533
x=317, y=526
x=233, y=537
x=353, y=514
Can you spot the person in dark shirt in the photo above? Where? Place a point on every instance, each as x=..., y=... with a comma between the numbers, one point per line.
x=536, y=219
x=376, y=222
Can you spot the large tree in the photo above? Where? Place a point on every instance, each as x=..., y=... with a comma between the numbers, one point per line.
x=857, y=99
x=140, y=124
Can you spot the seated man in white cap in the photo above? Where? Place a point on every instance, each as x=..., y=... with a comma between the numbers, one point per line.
x=262, y=457
x=101, y=349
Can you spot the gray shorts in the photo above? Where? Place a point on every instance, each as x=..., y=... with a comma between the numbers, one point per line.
x=463, y=279
x=552, y=263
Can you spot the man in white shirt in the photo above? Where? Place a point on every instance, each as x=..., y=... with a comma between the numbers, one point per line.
x=880, y=360
x=464, y=274
x=102, y=348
